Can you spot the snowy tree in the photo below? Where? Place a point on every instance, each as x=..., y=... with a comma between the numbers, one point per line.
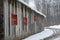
x=51, y=8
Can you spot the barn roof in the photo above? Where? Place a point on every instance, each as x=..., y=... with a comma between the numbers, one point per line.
x=40, y=13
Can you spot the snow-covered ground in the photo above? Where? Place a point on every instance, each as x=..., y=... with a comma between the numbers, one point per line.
x=56, y=29
x=57, y=38
x=48, y=32
x=40, y=36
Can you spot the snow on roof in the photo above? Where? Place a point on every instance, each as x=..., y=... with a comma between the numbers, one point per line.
x=40, y=36
x=32, y=8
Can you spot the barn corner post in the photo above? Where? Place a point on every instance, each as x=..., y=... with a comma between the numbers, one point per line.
x=1, y=20
x=9, y=12
x=6, y=25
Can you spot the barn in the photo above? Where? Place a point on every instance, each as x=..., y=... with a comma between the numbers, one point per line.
x=19, y=20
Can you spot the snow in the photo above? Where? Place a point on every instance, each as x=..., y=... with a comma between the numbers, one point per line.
x=40, y=36
x=57, y=38
x=55, y=26
x=40, y=13
x=57, y=31
x=48, y=32
x=32, y=4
